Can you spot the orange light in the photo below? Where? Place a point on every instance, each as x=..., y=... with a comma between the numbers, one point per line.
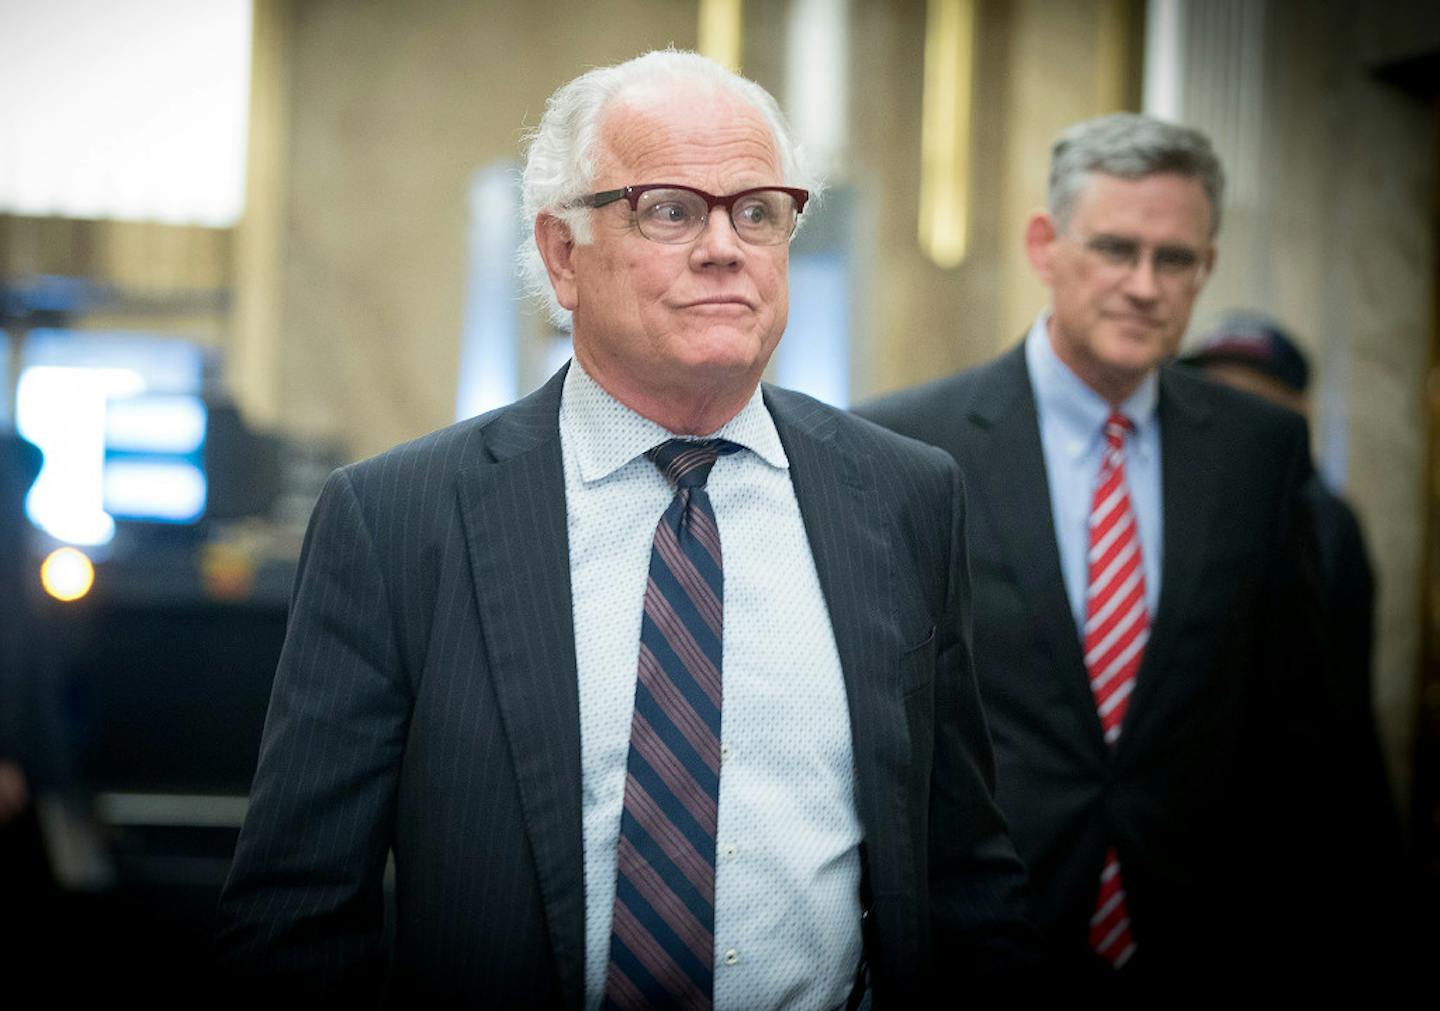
x=67, y=574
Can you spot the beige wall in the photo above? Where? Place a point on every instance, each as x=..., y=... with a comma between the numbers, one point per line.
x=1039, y=66
x=1058, y=62
x=392, y=108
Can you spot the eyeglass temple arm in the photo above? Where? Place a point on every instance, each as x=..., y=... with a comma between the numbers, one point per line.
x=605, y=198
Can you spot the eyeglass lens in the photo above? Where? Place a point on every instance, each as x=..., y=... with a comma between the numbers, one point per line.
x=1167, y=261
x=763, y=217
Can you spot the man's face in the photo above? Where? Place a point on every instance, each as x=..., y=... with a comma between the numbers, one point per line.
x=1124, y=275
x=665, y=323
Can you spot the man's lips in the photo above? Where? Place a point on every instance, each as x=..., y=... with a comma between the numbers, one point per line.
x=1132, y=319
x=720, y=303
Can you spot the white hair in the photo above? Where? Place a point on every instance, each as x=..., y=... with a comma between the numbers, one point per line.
x=563, y=148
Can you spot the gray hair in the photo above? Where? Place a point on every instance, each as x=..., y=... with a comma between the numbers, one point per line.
x=561, y=156
x=1130, y=146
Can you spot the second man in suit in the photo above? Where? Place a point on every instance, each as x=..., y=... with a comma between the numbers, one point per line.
x=1144, y=591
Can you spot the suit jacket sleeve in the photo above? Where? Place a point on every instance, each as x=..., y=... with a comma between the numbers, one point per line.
x=303, y=902
x=981, y=920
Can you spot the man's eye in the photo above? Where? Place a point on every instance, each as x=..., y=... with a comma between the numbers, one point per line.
x=1114, y=250
x=1175, y=261
x=752, y=214
x=669, y=214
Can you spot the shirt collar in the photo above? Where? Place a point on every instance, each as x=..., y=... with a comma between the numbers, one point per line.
x=606, y=435
x=1063, y=396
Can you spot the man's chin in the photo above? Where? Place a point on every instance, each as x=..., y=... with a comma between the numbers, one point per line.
x=724, y=350
x=1134, y=349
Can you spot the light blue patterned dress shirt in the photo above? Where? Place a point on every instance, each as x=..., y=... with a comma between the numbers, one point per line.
x=787, y=880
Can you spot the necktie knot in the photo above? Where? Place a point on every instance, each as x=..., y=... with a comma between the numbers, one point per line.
x=1117, y=427
x=686, y=463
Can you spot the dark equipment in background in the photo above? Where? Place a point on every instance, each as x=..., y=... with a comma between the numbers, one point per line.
x=159, y=678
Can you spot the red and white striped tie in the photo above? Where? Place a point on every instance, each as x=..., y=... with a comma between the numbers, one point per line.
x=1117, y=626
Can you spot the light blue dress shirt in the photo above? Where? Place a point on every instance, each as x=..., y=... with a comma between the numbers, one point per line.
x=1072, y=422
x=787, y=879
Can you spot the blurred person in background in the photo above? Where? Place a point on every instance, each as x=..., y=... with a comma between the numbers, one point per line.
x=1251, y=352
x=502, y=669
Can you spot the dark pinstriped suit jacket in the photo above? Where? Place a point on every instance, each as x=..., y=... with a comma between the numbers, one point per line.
x=426, y=701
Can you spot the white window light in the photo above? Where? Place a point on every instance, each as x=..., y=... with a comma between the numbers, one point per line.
x=134, y=111
x=62, y=410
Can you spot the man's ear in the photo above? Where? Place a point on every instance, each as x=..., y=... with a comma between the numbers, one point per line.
x=1040, y=236
x=557, y=247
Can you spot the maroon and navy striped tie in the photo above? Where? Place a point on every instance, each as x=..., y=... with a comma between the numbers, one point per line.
x=1117, y=626
x=663, y=926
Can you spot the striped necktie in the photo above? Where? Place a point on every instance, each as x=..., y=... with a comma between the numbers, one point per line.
x=1117, y=626
x=663, y=924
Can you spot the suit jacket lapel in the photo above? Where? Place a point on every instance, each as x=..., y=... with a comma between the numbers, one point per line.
x=513, y=510
x=1016, y=496
x=1190, y=485
x=840, y=507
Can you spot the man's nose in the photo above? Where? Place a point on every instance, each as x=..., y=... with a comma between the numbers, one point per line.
x=1142, y=283
x=718, y=244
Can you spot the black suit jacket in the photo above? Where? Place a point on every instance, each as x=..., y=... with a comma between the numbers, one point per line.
x=426, y=701
x=1211, y=794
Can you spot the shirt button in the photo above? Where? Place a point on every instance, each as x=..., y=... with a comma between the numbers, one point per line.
x=728, y=850
x=732, y=956
x=724, y=753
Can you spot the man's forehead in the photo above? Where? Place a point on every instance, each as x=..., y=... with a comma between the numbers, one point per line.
x=1119, y=203
x=692, y=123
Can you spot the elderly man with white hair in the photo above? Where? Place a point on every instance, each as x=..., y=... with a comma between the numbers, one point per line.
x=657, y=683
